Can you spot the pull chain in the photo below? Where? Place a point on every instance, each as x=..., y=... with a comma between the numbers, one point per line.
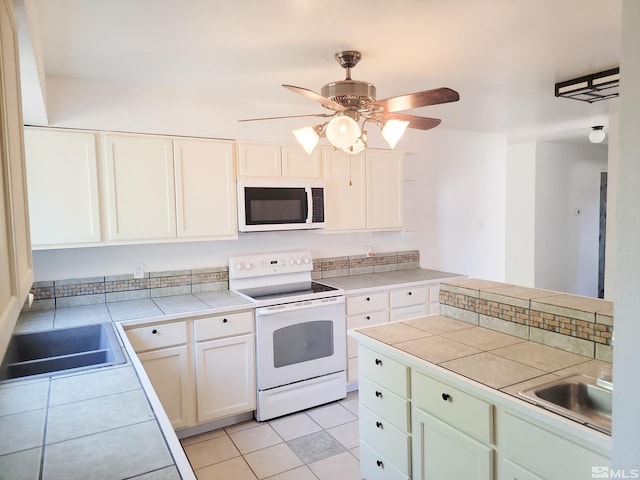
x=350, y=183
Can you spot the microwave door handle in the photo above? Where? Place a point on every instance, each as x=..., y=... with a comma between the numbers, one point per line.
x=308, y=202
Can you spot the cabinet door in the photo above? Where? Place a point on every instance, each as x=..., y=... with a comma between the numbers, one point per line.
x=345, y=198
x=513, y=471
x=63, y=187
x=168, y=371
x=296, y=163
x=441, y=451
x=140, y=188
x=206, y=200
x=384, y=190
x=225, y=377
x=259, y=160
x=16, y=267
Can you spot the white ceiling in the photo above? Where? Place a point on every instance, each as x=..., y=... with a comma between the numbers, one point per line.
x=502, y=56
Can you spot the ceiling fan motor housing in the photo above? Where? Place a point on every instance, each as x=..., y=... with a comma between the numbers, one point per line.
x=350, y=93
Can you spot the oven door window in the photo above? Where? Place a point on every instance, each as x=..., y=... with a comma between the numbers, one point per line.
x=274, y=206
x=302, y=342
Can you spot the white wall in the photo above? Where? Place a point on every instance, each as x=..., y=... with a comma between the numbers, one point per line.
x=521, y=210
x=626, y=354
x=566, y=242
x=454, y=199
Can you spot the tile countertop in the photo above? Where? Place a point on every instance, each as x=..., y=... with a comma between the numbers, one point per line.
x=101, y=423
x=496, y=360
x=379, y=281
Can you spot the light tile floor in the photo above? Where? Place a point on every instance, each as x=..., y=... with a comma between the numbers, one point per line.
x=318, y=444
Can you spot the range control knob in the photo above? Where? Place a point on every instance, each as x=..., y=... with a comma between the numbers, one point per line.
x=306, y=260
x=291, y=261
x=298, y=261
x=239, y=266
x=248, y=266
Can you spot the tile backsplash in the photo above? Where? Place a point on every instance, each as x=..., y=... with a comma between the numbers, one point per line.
x=578, y=324
x=114, y=288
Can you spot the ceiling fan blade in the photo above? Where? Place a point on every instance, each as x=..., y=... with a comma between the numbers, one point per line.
x=419, y=123
x=418, y=99
x=288, y=116
x=316, y=97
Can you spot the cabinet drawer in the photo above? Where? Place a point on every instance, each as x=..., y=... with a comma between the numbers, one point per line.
x=223, y=326
x=411, y=311
x=149, y=337
x=374, y=466
x=382, y=436
x=385, y=403
x=363, y=320
x=367, y=303
x=409, y=296
x=384, y=371
x=459, y=409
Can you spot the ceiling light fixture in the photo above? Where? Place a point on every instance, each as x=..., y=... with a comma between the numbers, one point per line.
x=342, y=131
x=597, y=134
x=591, y=88
x=308, y=137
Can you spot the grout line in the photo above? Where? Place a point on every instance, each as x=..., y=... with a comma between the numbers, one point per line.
x=44, y=433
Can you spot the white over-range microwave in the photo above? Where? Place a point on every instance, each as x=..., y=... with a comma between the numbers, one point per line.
x=280, y=204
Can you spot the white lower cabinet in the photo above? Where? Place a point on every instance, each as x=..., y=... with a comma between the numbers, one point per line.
x=202, y=369
x=441, y=451
x=169, y=373
x=225, y=382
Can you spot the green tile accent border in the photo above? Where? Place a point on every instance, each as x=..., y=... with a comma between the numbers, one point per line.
x=87, y=291
x=584, y=330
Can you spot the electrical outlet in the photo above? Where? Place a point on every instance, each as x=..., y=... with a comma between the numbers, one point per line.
x=138, y=270
x=369, y=251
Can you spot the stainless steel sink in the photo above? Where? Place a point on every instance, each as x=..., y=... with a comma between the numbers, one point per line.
x=578, y=397
x=61, y=350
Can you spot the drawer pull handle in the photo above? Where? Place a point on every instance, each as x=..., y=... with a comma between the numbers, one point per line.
x=379, y=424
x=446, y=397
x=154, y=331
x=378, y=394
x=378, y=361
x=224, y=320
x=379, y=463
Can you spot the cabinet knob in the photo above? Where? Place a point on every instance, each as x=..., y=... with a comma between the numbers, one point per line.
x=154, y=331
x=379, y=463
x=378, y=361
x=368, y=299
x=368, y=317
x=408, y=293
x=224, y=320
x=379, y=424
x=446, y=396
x=378, y=394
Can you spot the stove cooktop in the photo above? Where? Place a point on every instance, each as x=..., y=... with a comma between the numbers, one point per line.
x=288, y=292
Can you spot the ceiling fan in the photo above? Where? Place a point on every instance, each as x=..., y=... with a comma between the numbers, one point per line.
x=352, y=100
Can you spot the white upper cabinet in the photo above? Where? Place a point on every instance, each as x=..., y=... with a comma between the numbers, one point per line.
x=206, y=200
x=140, y=194
x=62, y=173
x=16, y=267
x=364, y=191
x=345, y=195
x=272, y=160
x=384, y=189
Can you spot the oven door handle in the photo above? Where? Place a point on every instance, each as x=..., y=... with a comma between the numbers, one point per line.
x=299, y=306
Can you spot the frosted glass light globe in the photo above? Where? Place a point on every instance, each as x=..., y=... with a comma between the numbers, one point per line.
x=342, y=131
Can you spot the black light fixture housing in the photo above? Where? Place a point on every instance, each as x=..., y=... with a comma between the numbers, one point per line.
x=591, y=88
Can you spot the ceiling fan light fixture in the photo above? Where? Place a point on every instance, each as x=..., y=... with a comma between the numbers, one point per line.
x=342, y=131
x=307, y=137
x=597, y=134
x=393, y=130
x=358, y=146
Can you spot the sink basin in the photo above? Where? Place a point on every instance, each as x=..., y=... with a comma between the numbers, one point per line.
x=61, y=350
x=578, y=397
